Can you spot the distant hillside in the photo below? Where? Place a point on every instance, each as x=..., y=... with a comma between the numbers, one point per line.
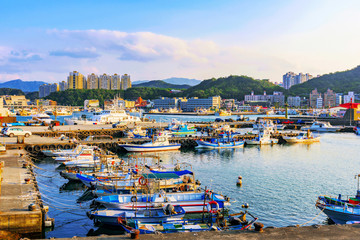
x=340, y=82
x=161, y=84
x=176, y=81
x=231, y=87
x=25, y=86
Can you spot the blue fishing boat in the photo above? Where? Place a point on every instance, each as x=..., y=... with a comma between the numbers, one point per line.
x=192, y=225
x=183, y=129
x=160, y=143
x=224, y=142
x=340, y=210
x=192, y=202
x=115, y=216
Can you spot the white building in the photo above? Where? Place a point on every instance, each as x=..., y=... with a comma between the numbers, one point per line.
x=196, y=103
x=46, y=89
x=350, y=97
x=166, y=103
x=294, y=101
x=319, y=102
x=338, y=99
x=290, y=79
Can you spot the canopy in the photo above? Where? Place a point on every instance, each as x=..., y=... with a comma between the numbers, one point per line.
x=349, y=105
x=178, y=173
x=160, y=175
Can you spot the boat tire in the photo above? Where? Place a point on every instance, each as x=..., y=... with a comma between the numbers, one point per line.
x=52, y=147
x=29, y=148
x=89, y=215
x=67, y=146
x=60, y=147
x=45, y=147
x=133, y=199
x=108, y=145
x=37, y=148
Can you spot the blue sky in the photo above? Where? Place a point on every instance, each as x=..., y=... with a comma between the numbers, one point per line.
x=45, y=40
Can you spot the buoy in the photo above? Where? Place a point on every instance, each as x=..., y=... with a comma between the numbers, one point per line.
x=245, y=205
x=239, y=181
x=49, y=222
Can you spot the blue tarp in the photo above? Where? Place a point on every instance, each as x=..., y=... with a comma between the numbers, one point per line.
x=179, y=173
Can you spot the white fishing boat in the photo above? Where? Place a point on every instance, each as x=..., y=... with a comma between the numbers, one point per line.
x=42, y=118
x=303, y=137
x=160, y=143
x=103, y=117
x=263, y=138
x=322, y=127
x=86, y=153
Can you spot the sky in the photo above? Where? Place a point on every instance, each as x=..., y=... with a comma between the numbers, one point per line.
x=151, y=40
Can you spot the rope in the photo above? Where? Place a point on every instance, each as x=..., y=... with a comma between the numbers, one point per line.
x=57, y=197
x=311, y=219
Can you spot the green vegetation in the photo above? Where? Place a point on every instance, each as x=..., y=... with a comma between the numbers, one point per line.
x=161, y=84
x=32, y=95
x=76, y=97
x=340, y=82
x=231, y=87
x=11, y=91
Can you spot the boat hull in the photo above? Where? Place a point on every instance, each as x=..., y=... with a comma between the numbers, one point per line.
x=296, y=140
x=208, y=145
x=141, y=148
x=262, y=142
x=339, y=216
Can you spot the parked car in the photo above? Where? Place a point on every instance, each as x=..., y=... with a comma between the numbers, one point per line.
x=288, y=122
x=229, y=120
x=11, y=132
x=219, y=120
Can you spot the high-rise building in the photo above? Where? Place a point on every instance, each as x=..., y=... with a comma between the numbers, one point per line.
x=338, y=99
x=314, y=95
x=125, y=82
x=76, y=80
x=290, y=79
x=115, y=82
x=104, y=81
x=92, y=81
x=329, y=98
x=46, y=89
x=62, y=86
x=319, y=102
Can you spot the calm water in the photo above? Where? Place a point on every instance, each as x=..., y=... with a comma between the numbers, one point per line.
x=280, y=182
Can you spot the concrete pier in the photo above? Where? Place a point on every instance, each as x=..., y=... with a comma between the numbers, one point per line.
x=18, y=191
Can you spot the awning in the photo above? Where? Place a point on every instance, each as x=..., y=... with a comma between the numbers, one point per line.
x=178, y=173
x=160, y=175
x=349, y=105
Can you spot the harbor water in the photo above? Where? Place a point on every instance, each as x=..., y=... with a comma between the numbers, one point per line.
x=280, y=182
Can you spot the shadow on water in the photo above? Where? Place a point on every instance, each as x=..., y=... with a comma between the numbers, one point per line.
x=72, y=186
x=108, y=230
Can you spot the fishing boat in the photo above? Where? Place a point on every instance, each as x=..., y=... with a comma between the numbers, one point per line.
x=160, y=143
x=84, y=154
x=224, y=142
x=303, y=137
x=103, y=117
x=192, y=225
x=67, y=152
x=115, y=216
x=183, y=129
x=263, y=138
x=192, y=202
x=322, y=127
x=137, y=132
x=341, y=210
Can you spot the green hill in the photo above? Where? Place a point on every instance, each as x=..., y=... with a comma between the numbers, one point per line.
x=76, y=97
x=231, y=87
x=161, y=84
x=340, y=82
x=11, y=91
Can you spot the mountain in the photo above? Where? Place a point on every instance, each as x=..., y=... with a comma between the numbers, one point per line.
x=340, y=82
x=25, y=86
x=231, y=87
x=11, y=91
x=160, y=84
x=174, y=80
x=178, y=81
